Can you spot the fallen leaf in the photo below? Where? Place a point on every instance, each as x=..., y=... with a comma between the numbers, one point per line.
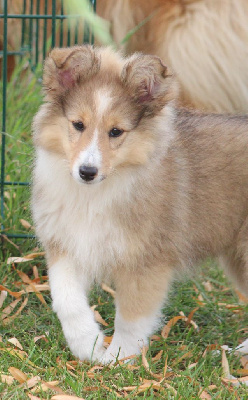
x=26, y=258
x=7, y=379
x=208, y=286
x=25, y=224
x=158, y=356
x=190, y=320
x=44, y=337
x=205, y=396
x=30, y=383
x=3, y=296
x=146, y=364
x=6, y=311
x=66, y=397
x=33, y=397
x=15, y=342
x=98, y=317
x=8, y=320
x=108, y=289
x=166, y=329
x=224, y=363
x=18, y=374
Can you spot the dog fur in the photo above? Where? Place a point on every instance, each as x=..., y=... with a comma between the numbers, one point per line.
x=203, y=41
x=170, y=190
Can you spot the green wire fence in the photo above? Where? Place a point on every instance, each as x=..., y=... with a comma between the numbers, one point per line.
x=37, y=26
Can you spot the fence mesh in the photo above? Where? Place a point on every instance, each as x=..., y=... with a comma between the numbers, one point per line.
x=28, y=31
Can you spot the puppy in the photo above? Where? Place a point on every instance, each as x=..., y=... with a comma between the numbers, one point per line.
x=130, y=189
x=203, y=41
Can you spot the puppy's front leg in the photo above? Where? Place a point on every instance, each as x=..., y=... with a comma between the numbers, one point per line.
x=69, y=294
x=139, y=299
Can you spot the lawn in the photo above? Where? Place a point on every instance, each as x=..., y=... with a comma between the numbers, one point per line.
x=186, y=358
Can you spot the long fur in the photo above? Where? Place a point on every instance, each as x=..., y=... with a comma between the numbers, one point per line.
x=203, y=41
x=170, y=190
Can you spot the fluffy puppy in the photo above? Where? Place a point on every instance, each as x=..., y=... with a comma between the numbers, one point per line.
x=130, y=189
x=203, y=41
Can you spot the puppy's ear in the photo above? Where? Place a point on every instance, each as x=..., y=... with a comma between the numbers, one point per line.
x=66, y=67
x=149, y=82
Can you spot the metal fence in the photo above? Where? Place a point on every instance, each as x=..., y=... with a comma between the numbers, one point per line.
x=28, y=31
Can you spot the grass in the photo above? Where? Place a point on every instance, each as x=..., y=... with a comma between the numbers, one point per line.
x=193, y=356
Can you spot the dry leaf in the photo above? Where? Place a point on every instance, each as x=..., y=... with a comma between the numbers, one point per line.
x=26, y=258
x=190, y=321
x=108, y=289
x=14, y=294
x=166, y=329
x=33, y=397
x=35, y=272
x=205, y=396
x=146, y=364
x=98, y=317
x=6, y=311
x=15, y=342
x=3, y=296
x=8, y=320
x=65, y=397
x=224, y=363
x=158, y=356
x=25, y=224
x=25, y=278
x=44, y=337
x=18, y=374
x=30, y=383
x=7, y=379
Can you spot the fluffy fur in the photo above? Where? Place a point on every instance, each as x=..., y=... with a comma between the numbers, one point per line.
x=170, y=190
x=203, y=41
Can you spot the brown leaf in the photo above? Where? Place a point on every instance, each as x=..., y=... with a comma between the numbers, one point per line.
x=166, y=329
x=44, y=337
x=3, y=296
x=26, y=258
x=146, y=364
x=18, y=374
x=25, y=224
x=25, y=278
x=158, y=356
x=225, y=365
x=98, y=317
x=8, y=320
x=7, y=379
x=32, y=397
x=14, y=294
x=205, y=396
x=108, y=289
x=208, y=286
x=15, y=342
x=6, y=311
x=65, y=397
x=30, y=383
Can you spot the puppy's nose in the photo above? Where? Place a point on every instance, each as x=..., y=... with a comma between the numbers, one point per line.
x=87, y=173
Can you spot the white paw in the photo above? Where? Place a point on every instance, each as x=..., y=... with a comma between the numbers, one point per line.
x=88, y=346
x=119, y=351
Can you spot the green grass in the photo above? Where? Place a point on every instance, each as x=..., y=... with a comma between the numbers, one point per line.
x=192, y=366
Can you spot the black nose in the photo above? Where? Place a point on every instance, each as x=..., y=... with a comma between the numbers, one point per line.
x=87, y=173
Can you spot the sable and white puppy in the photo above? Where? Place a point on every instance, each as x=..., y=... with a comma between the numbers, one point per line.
x=127, y=188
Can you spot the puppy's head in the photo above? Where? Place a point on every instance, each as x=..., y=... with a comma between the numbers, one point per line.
x=102, y=110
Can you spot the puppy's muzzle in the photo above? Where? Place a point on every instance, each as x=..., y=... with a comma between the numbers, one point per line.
x=87, y=173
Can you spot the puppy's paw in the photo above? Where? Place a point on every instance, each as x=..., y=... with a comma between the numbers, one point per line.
x=87, y=346
x=119, y=351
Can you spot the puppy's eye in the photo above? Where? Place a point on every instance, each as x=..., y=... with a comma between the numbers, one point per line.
x=115, y=132
x=79, y=126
